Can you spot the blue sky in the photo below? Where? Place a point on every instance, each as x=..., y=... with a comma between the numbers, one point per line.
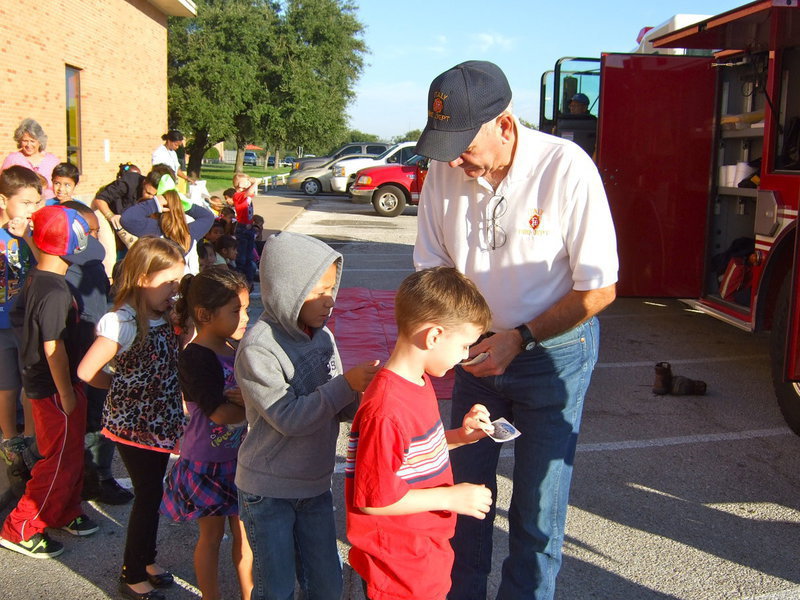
x=412, y=41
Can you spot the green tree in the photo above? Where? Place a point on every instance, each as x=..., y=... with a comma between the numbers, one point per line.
x=212, y=69
x=354, y=135
x=262, y=70
x=408, y=136
x=318, y=60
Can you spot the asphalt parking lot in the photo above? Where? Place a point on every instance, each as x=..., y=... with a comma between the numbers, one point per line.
x=673, y=497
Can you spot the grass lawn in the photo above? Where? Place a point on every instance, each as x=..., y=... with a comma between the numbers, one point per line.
x=220, y=176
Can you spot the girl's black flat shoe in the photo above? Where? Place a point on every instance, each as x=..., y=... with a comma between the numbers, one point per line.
x=161, y=580
x=128, y=592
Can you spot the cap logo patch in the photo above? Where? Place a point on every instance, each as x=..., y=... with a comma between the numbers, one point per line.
x=437, y=106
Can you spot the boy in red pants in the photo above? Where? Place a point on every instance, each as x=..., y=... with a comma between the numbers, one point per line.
x=45, y=319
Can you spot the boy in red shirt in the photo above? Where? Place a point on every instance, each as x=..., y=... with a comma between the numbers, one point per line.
x=399, y=492
x=245, y=234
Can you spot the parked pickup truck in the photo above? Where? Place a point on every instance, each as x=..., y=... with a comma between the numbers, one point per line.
x=310, y=161
x=344, y=172
x=391, y=187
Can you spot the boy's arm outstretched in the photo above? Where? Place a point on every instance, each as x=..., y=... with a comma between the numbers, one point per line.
x=463, y=498
x=265, y=390
x=473, y=428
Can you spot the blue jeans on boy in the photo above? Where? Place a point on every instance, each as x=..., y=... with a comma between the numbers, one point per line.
x=542, y=393
x=246, y=245
x=292, y=536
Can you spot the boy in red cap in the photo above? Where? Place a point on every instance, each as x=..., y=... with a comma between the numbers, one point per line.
x=45, y=320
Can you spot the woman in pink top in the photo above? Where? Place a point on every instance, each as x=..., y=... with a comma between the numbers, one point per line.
x=31, y=141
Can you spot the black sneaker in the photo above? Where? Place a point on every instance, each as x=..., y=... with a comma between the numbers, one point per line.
x=112, y=492
x=81, y=525
x=39, y=546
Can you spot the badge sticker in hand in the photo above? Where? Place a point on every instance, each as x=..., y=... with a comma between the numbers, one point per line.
x=504, y=431
x=475, y=359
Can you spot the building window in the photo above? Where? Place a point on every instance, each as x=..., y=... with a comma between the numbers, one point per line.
x=74, y=116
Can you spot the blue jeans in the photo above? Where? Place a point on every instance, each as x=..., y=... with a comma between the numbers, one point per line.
x=245, y=245
x=542, y=393
x=288, y=537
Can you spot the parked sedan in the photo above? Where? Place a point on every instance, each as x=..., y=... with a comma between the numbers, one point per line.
x=312, y=181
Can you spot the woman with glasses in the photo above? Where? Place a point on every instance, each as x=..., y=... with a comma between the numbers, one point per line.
x=32, y=141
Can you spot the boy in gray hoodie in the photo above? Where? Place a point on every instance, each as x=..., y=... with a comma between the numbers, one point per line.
x=295, y=394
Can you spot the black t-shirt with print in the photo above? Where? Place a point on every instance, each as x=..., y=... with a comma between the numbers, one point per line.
x=45, y=311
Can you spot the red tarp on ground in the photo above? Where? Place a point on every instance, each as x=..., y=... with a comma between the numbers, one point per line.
x=363, y=324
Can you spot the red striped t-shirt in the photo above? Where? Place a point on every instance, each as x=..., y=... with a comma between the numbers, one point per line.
x=397, y=443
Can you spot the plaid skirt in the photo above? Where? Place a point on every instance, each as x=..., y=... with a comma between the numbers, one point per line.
x=200, y=489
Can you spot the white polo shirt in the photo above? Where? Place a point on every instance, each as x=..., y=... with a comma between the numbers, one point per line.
x=556, y=222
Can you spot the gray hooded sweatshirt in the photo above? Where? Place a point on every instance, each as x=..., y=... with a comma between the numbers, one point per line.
x=294, y=391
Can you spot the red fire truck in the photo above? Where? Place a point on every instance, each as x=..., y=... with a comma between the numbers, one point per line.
x=700, y=156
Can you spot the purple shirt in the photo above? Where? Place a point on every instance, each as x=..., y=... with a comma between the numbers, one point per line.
x=204, y=440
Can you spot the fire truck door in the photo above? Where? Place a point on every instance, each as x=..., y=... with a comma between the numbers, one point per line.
x=654, y=153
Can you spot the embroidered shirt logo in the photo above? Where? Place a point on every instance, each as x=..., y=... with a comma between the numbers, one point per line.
x=536, y=219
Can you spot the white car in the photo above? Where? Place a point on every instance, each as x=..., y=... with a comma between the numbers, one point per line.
x=344, y=171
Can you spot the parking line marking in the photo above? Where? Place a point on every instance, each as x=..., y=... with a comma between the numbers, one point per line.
x=187, y=586
x=682, y=361
x=685, y=439
x=657, y=442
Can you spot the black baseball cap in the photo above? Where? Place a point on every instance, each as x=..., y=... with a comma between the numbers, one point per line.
x=460, y=101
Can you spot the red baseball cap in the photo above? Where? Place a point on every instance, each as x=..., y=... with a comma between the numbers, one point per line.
x=63, y=232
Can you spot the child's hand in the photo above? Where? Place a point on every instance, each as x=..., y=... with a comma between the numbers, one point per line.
x=19, y=227
x=234, y=396
x=68, y=403
x=470, y=500
x=162, y=203
x=476, y=424
x=359, y=376
x=116, y=222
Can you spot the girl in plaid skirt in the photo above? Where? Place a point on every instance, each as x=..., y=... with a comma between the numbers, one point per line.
x=201, y=484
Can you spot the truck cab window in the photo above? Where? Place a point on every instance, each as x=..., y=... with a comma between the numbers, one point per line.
x=787, y=149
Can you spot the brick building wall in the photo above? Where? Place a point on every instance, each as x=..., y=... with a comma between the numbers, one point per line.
x=120, y=48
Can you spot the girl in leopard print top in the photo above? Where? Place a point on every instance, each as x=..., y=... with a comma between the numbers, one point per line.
x=143, y=413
